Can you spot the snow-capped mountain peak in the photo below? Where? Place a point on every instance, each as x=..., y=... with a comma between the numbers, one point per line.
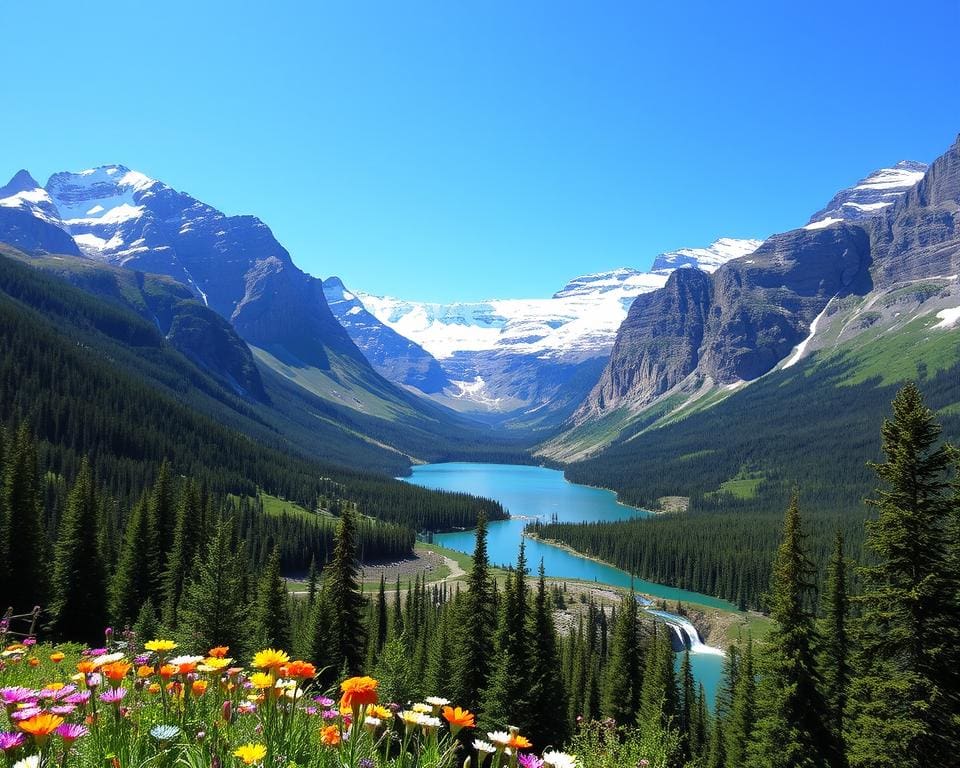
x=23, y=191
x=871, y=195
x=709, y=259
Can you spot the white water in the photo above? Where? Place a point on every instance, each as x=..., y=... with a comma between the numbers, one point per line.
x=687, y=633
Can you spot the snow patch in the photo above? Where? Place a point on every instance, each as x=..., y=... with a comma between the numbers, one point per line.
x=823, y=223
x=802, y=346
x=948, y=317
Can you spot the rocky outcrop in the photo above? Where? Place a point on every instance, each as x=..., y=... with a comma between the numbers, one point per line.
x=733, y=325
x=393, y=356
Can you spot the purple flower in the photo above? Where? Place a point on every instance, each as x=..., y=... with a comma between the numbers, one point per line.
x=11, y=741
x=63, y=709
x=16, y=695
x=330, y=714
x=62, y=693
x=28, y=641
x=141, y=659
x=79, y=698
x=114, y=696
x=94, y=679
x=530, y=761
x=70, y=732
x=323, y=701
x=25, y=714
x=95, y=652
x=310, y=710
x=365, y=762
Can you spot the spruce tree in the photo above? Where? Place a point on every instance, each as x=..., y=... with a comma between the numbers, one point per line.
x=624, y=669
x=6, y=579
x=213, y=610
x=343, y=590
x=834, y=641
x=136, y=575
x=791, y=730
x=78, y=585
x=381, y=617
x=187, y=540
x=270, y=616
x=658, y=696
x=743, y=714
x=475, y=640
x=687, y=709
x=904, y=696
x=548, y=698
x=23, y=509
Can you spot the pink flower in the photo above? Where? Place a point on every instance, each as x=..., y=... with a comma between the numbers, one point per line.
x=24, y=714
x=70, y=732
x=11, y=740
x=113, y=696
x=530, y=761
x=80, y=698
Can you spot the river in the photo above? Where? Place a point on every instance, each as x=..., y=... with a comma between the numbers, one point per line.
x=530, y=493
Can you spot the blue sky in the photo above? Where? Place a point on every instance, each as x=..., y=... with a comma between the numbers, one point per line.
x=467, y=150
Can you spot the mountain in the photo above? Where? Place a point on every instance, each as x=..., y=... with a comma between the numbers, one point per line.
x=528, y=362
x=394, y=357
x=701, y=338
x=29, y=220
x=870, y=195
x=235, y=303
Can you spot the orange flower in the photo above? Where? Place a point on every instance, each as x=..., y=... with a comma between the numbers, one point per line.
x=167, y=671
x=86, y=667
x=199, y=687
x=186, y=669
x=34, y=661
x=330, y=735
x=116, y=671
x=154, y=688
x=459, y=718
x=358, y=691
x=40, y=726
x=519, y=742
x=57, y=657
x=300, y=670
x=144, y=671
x=220, y=652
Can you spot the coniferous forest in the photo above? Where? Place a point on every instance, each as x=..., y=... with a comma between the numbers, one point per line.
x=858, y=670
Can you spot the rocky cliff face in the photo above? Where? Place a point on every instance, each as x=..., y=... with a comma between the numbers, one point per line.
x=30, y=221
x=920, y=236
x=734, y=325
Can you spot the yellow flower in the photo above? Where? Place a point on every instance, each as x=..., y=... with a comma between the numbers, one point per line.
x=251, y=753
x=261, y=680
x=160, y=646
x=379, y=711
x=270, y=659
x=57, y=657
x=216, y=664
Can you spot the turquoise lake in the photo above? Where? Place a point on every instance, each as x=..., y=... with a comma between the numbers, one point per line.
x=529, y=493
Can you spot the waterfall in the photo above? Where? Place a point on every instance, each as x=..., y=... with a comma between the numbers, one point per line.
x=687, y=633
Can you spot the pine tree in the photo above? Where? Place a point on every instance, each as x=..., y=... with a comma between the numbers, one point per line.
x=548, y=698
x=343, y=589
x=658, y=696
x=136, y=575
x=743, y=714
x=624, y=669
x=834, y=643
x=318, y=641
x=687, y=709
x=187, y=540
x=78, y=586
x=163, y=508
x=270, y=617
x=475, y=640
x=791, y=731
x=213, y=609
x=381, y=617
x=905, y=694
x=6, y=579
x=25, y=545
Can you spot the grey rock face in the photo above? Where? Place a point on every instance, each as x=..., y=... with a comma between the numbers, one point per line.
x=393, y=356
x=873, y=194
